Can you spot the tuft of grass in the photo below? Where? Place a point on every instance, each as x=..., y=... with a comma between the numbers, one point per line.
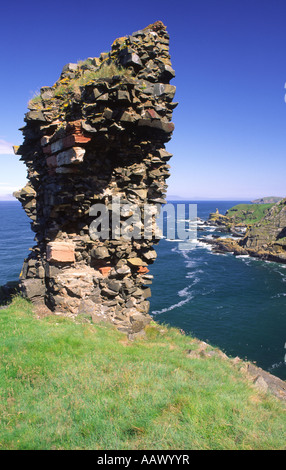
x=67, y=385
x=107, y=70
x=35, y=101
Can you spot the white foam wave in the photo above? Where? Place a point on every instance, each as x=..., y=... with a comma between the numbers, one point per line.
x=193, y=275
x=175, y=249
x=222, y=254
x=276, y=365
x=201, y=244
x=172, y=307
x=228, y=236
x=281, y=274
x=181, y=293
x=191, y=263
x=186, y=291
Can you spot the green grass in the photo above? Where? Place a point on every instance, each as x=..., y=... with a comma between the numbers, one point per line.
x=68, y=385
x=63, y=88
x=248, y=213
x=88, y=76
x=36, y=100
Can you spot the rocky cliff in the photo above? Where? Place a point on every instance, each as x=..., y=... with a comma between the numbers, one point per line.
x=239, y=218
x=94, y=146
x=265, y=238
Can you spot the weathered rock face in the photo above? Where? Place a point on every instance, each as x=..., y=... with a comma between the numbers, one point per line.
x=265, y=239
x=98, y=136
x=268, y=237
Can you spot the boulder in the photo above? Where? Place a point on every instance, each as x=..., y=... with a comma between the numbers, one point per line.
x=33, y=289
x=136, y=262
x=99, y=252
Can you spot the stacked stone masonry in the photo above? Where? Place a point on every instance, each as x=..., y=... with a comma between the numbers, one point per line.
x=89, y=141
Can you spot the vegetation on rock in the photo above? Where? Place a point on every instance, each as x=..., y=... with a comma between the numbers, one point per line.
x=241, y=214
x=265, y=226
x=248, y=214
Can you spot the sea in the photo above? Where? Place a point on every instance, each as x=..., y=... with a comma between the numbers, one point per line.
x=235, y=303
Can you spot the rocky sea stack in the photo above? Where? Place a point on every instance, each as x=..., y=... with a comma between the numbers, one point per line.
x=96, y=137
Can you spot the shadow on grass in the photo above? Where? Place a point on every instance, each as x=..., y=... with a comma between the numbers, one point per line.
x=8, y=291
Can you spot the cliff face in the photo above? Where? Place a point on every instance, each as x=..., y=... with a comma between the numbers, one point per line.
x=94, y=146
x=265, y=239
x=268, y=237
x=240, y=217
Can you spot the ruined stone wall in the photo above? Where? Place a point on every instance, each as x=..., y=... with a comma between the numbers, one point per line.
x=98, y=135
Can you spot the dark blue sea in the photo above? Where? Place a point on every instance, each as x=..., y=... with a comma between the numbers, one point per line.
x=16, y=237
x=235, y=303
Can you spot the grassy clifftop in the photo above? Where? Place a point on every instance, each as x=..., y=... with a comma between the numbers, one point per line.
x=262, y=226
x=67, y=385
x=248, y=214
x=241, y=214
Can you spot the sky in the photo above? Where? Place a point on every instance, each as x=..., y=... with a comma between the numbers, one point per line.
x=230, y=125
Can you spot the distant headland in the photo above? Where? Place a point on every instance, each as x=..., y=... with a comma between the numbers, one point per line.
x=267, y=200
x=257, y=230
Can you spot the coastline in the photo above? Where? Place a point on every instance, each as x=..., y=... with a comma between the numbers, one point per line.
x=256, y=230
x=230, y=245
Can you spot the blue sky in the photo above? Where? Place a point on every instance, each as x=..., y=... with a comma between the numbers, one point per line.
x=229, y=56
